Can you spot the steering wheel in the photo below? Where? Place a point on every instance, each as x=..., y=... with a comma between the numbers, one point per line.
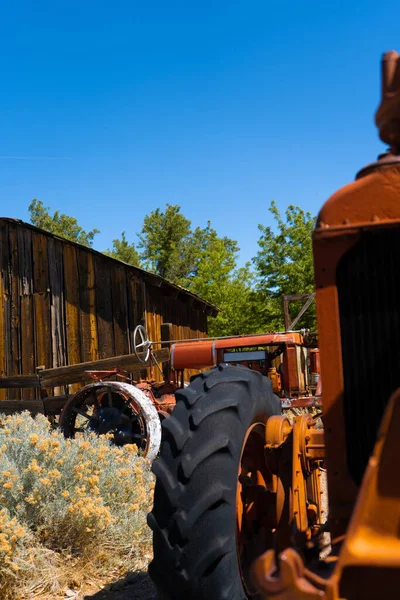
x=141, y=343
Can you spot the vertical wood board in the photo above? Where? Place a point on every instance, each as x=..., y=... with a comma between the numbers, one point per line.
x=87, y=295
x=25, y=260
x=120, y=310
x=15, y=358
x=56, y=281
x=104, y=309
x=40, y=264
x=27, y=343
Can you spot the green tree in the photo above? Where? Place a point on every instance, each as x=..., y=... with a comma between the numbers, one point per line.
x=284, y=265
x=166, y=241
x=123, y=250
x=201, y=261
x=218, y=280
x=171, y=248
x=59, y=223
x=232, y=294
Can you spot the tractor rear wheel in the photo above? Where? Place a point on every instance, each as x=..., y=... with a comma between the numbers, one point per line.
x=212, y=492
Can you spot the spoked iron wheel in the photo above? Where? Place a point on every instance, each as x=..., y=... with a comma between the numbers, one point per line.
x=116, y=408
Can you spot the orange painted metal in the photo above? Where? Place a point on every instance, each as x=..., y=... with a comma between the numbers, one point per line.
x=264, y=339
x=255, y=501
x=201, y=354
x=162, y=394
x=278, y=454
x=290, y=371
x=370, y=203
x=367, y=567
x=192, y=355
x=364, y=520
x=369, y=563
x=276, y=380
x=294, y=454
x=332, y=239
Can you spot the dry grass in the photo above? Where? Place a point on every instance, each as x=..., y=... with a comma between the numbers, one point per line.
x=70, y=510
x=291, y=413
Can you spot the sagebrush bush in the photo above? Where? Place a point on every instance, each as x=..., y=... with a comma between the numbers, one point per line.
x=82, y=500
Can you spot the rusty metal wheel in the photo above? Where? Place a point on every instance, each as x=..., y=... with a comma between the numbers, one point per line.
x=214, y=504
x=115, y=408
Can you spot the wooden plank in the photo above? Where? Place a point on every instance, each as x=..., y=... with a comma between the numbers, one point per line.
x=40, y=263
x=2, y=337
x=56, y=282
x=166, y=335
x=76, y=373
x=10, y=407
x=4, y=256
x=25, y=267
x=3, y=271
x=7, y=334
x=41, y=303
x=20, y=381
x=15, y=358
x=131, y=299
x=24, y=237
x=159, y=373
x=120, y=309
x=135, y=315
x=48, y=406
x=28, y=342
x=54, y=405
x=72, y=321
x=105, y=325
x=87, y=312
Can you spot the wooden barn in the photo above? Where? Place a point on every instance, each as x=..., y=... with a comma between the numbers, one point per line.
x=62, y=303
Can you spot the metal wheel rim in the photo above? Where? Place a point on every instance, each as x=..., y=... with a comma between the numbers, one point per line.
x=144, y=342
x=137, y=407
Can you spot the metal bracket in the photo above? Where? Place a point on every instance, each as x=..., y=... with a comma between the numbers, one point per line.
x=309, y=299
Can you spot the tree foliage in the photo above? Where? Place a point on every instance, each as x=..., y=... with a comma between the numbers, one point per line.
x=201, y=261
x=123, y=250
x=166, y=243
x=219, y=281
x=172, y=249
x=284, y=263
x=59, y=224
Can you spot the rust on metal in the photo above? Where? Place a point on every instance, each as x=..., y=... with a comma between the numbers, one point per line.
x=368, y=565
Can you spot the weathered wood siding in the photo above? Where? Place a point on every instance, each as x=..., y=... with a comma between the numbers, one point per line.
x=61, y=303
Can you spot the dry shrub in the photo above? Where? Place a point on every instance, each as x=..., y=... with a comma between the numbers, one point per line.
x=66, y=506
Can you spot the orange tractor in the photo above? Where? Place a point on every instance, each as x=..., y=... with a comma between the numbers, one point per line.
x=238, y=508
x=132, y=411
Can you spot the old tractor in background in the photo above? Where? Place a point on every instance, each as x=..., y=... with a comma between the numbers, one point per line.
x=238, y=511
x=131, y=411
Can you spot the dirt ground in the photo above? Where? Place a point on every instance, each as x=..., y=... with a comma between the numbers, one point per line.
x=134, y=586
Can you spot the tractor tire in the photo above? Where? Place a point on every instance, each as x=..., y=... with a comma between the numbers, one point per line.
x=194, y=518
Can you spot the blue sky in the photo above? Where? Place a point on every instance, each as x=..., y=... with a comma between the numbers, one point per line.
x=109, y=110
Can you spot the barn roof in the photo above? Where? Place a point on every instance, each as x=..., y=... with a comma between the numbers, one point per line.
x=151, y=278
